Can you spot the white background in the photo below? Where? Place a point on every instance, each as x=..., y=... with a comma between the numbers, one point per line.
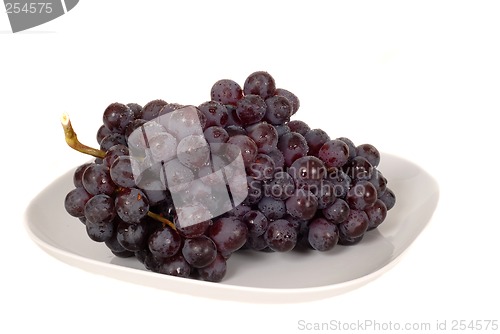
x=417, y=79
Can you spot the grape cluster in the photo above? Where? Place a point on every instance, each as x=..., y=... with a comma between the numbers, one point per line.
x=301, y=187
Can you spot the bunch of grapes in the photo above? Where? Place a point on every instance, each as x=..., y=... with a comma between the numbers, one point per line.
x=300, y=188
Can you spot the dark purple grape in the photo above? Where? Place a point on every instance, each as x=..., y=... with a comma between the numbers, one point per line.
x=226, y=91
x=278, y=158
x=215, y=113
x=299, y=127
x=169, y=107
x=272, y=208
x=260, y=83
x=216, y=134
x=117, y=116
x=376, y=214
x=199, y=252
x=293, y=146
x=282, y=129
x=334, y=153
x=256, y=222
x=281, y=187
x=337, y=212
x=174, y=266
x=152, y=109
x=229, y=234
x=278, y=111
x=257, y=243
x=370, y=153
x=131, y=205
x=325, y=193
x=362, y=195
x=233, y=118
x=379, y=181
x=100, y=231
x=184, y=122
x=358, y=168
x=239, y=211
x=178, y=176
x=255, y=192
x=121, y=172
x=389, y=198
x=137, y=123
x=307, y=169
x=78, y=175
x=136, y=109
x=215, y=271
x=340, y=181
x=322, y=234
x=349, y=241
x=102, y=132
x=96, y=180
x=99, y=208
x=132, y=237
x=355, y=225
x=193, y=151
x=264, y=135
x=112, y=140
x=192, y=230
x=315, y=138
x=234, y=130
x=251, y=109
x=164, y=242
x=302, y=205
x=75, y=201
x=262, y=168
x=350, y=145
x=113, y=244
x=281, y=235
x=247, y=146
x=294, y=100
x=115, y=152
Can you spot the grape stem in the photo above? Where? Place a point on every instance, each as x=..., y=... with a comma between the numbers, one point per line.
x=161, y=219
x=74, y=143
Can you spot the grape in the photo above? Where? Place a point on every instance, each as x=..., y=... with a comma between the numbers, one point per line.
x=388, y=198
x=215, y=271
x=132, y=237
x=152, y=109
x=299, y=127
x=278, y=111
x=303, y=204
x=257, y=243
x=315, y=138
x=193, y=151
x=272, y=208
x=99, y=208
x=193, y=230
x=247, y=146
x=350, y=145
x=199, y=252
x=370, y=153
x=322, y=234
x=117, y=116
x=307, y=169
x=264, y=135
x=121, y=172
x=337, y=212
x=379, y=182
x=134, y=126
x=260, y=83
x=255, y=192
x=75, y=201
x=216, y=134
x=293, y=146
x=281, y=187
x=278, y=158
x=131, y=205
x=177, y=175
x=226, y=91
x=256, y=222
x=355, y=225
x=358, y=168
x=115, y=152
x=334, y=153
x=262, y=168
x=376, y=214
x=174, y=266
x=229, y=234
x=294, y=100
x=102, y=132
x=325, y=194
x=233, y=118
x=281, y=235
x=136, y=109
x=96, y=180
x=282, y=129
x=215, y=113
x=163, y=147
x=250, y=109
x=341, y=182
x=362, y=195
x=112, y=140
x=164, y=242
x=99, y=231
x=234, y=130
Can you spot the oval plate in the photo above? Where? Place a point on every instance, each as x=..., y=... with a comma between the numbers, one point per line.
x=296, y=276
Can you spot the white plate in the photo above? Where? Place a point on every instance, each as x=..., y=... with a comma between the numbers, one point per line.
x=253, y=276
